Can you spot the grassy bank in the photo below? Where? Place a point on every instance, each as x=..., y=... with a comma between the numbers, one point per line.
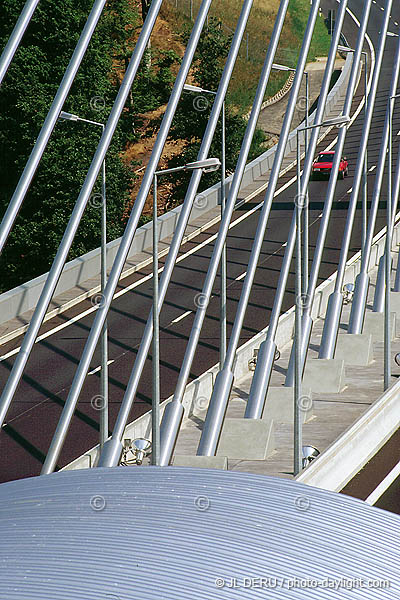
x=259, y=30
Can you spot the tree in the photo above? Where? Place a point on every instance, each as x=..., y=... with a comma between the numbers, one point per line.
x=194, y=111
x=25, y=97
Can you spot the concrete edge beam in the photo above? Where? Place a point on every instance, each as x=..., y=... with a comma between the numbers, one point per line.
x=338, y=464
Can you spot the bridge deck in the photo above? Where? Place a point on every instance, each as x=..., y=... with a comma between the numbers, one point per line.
x=332, y=413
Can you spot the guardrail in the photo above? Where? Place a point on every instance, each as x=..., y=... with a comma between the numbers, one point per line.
x=23, y=298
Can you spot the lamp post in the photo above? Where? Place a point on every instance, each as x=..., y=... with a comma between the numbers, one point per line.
x=222, y=347
x=305, y=213
x=365, y=180
x=298, y=354
x=103, y=280
x=208, y=165
x=388, y=248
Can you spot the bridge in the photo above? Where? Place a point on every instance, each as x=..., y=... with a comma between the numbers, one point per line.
x=257, y=320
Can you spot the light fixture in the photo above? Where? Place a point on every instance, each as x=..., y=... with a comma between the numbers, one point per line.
x=348, y=292
x=309, y=454
x=208, y=165
x=68, y=116
x=397, y=359
x=139, y=448
x=277, y=354
x=338, y=121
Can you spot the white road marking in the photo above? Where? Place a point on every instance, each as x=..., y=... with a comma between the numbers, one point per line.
x=99, y=367
x=187, y=313
x=384, y=485
x=242, y=276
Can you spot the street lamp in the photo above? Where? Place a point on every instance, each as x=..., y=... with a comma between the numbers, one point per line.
x=298, y=433
x=208, y=165
x=388, y=247
x=103, y=280
x=365, y=180
x=222, y=348
x=305, y=213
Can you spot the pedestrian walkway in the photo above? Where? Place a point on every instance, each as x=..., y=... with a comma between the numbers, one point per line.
x=328, y=414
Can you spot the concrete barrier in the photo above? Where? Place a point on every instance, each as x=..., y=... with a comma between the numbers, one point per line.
x=352, y=450
x=23, y=298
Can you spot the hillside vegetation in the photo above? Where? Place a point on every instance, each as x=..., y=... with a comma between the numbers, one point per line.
x=37, y=69
x=259, y=30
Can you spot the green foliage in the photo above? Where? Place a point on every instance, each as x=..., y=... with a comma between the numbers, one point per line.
x=152, y=86
x=191, y=119
x=25, y=98
x=320, y=43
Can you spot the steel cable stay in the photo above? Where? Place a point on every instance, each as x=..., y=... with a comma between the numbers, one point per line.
x=335, y=302
x=171, y=420
x=362, y=280
x=126, y=240
x=51, y=119
x=266, y=354
x=172, y=417
x=16, y=36
x=64, y=247
x=112, y=450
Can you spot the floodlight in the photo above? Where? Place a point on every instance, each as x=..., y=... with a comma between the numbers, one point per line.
x=348, y=292
x=139, y=448
x=309, y=454
x=397, y=359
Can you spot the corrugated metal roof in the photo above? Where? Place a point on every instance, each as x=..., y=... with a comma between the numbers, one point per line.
x=181, y=533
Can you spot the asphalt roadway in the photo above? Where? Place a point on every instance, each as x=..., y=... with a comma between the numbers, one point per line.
x=38, y=403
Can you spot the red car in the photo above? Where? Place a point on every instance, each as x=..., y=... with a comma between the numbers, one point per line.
x=323, y=165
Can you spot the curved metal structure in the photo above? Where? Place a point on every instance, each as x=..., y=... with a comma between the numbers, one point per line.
x=149, y=532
